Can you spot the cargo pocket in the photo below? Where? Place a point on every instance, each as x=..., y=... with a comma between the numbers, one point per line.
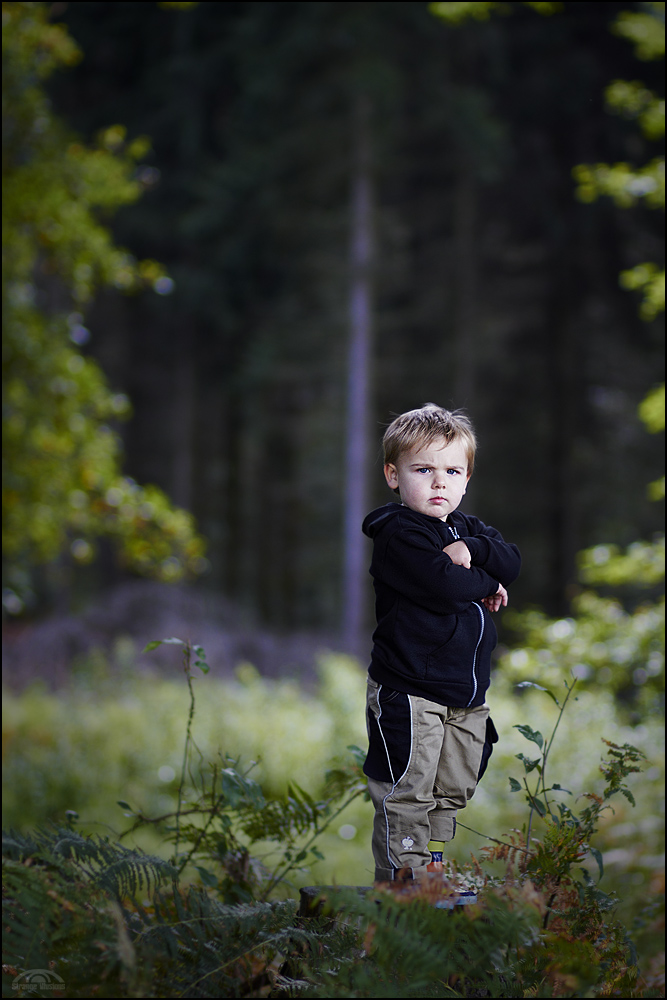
x=389, y=722
x=490, y=738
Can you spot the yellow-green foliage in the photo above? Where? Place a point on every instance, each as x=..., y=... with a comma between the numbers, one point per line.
x=85, y=748
x=388, y=945
x=62, y=483
x=120, y=737
x=645, y=29
x=110, y=739
x=456, y=13
x=603, y=644
x=622, y=182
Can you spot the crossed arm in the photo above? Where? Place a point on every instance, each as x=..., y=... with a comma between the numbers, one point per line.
x=459, y=553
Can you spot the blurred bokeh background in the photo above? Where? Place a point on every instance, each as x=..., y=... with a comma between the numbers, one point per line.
x=239, y=238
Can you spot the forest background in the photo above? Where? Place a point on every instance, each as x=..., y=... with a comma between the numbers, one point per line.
x=332, y=212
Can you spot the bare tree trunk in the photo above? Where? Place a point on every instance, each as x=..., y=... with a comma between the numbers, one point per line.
x=248, y=508
x=358, y=383
x=466, y=285
x=183, y=428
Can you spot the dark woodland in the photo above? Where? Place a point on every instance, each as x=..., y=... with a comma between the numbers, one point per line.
x=362, y=209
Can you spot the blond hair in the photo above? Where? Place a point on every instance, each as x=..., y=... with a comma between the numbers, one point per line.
x=426, y=425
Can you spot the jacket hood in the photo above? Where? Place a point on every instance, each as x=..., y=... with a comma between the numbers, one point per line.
x=379, y=518
x=382, y=516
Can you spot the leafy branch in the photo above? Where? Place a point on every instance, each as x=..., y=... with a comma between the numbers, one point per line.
x=538, y=799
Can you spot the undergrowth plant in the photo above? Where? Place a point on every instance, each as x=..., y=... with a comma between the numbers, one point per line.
x=577, y=924
x=543, y=928
x=107, y=920
x=243, y=845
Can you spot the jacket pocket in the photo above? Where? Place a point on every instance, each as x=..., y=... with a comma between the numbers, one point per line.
x=417, y=635
x=456, y=655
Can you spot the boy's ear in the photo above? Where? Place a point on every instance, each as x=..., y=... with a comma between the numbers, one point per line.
x=391, y=475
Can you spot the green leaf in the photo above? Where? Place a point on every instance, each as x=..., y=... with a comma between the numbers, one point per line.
x=587, y=878
x=629, y=796
x=538, y=687
x=529, y=764
x=123, y=804
x=531, y=734
x=207, y=877
x=158, y=642
x=203, y=666
x=358, y=754
x=598, y=857
x=301, y=795
x=514, y=785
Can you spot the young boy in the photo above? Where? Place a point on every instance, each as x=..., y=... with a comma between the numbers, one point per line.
x=437, y=574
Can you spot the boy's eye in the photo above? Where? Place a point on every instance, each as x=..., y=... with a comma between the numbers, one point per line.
x=450, y=472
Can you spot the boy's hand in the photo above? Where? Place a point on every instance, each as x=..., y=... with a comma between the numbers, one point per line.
x=459, y=553
x=496, y=600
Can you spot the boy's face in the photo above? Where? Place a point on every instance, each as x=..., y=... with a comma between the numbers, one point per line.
x=431, y=479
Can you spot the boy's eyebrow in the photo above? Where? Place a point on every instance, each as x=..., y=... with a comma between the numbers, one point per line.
x=421, y=465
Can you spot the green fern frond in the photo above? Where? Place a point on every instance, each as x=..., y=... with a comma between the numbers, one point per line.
x=412, y=949
x=53, y=922
x=118, y=870
x=282, y=819
x=216, y=949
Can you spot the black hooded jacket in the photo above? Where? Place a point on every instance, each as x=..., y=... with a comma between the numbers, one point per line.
x=434, y=637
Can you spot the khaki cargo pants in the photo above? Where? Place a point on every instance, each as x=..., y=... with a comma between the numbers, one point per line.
x=422, y=766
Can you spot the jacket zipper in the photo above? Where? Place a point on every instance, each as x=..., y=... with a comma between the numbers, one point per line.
x=455, y=533
x=474, y=659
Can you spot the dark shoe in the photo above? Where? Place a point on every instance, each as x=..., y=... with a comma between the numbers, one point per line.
x=460, y=897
